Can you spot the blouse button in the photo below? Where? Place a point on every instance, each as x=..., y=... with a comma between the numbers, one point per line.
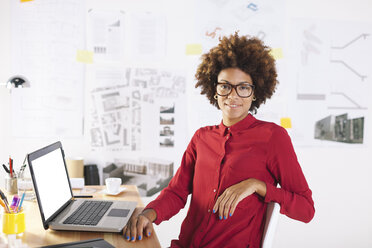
x=214, y=190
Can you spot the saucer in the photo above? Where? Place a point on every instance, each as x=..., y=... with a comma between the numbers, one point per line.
x=113, y=193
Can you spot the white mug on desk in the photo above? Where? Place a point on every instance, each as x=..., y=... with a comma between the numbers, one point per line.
x=113, y=185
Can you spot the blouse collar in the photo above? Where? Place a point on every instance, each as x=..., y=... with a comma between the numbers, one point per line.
x=239, y=126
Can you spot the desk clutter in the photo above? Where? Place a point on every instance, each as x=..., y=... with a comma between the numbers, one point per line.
x=13, y=221
x=11, y=176
x=12, y=242
x=17, y=217
x=16, y=183
x=13, y=216
x=77, y=170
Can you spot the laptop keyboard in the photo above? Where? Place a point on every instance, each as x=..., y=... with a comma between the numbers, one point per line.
x=89, y=213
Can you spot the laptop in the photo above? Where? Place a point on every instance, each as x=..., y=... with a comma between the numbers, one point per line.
x=59, y=210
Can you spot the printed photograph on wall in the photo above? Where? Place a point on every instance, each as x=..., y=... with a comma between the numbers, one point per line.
x=166, y=134
x=340, y=129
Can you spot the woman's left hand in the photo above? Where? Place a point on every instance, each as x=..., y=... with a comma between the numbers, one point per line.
x=229, y=199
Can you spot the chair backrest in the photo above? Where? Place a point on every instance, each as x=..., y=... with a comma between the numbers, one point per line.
x=272, y=216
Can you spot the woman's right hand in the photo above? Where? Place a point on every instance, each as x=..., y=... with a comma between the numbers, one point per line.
x=140, y=225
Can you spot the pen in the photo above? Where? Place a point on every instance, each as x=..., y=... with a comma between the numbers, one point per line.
x=20, y=173
x=20, y=203
x=3, y=197
x=13, y=167
x=10, y=167
x=6, y=168
x=83, y=196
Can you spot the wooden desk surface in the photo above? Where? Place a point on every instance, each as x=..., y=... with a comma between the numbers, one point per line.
x=36, y=236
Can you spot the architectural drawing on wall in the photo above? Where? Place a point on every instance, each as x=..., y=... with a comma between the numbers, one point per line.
x=106, y=34
x=340, y=128
x=330, y=63
x=44, y=48
x=117, y=111
x=150, y=175
x=148, y=36
x=353, y=104
x=353, y=70
x=263, y=19
x=110, y=118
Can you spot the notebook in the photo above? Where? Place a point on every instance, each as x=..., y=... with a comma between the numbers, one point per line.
x=55, y=198
x=91, y=243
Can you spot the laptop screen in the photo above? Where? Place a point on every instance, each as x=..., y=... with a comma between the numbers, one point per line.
x=51, y=181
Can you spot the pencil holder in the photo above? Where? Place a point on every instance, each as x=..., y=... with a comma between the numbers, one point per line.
x=25, y=186
x=11, y=185
x=14, y=223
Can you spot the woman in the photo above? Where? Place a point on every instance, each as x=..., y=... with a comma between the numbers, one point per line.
x=232, y=169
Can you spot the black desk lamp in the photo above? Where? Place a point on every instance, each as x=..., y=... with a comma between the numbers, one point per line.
x=17, y=81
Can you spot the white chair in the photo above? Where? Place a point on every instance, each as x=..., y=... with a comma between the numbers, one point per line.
x=272, y=217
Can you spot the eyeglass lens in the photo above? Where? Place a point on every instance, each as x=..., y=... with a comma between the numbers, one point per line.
x=243, y=90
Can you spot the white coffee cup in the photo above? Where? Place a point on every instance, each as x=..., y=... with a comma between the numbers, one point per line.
x=113, y=185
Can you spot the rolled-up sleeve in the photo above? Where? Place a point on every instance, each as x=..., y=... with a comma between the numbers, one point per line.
x=294, y=194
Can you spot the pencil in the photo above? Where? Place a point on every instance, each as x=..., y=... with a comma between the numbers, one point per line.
x=20, y=203
x=5, y=206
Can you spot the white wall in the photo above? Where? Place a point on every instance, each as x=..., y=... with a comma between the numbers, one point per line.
x=339, y=177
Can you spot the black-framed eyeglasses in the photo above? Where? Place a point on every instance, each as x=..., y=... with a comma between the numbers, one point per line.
x=243, y=89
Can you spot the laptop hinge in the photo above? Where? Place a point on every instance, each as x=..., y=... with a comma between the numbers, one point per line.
x=69, y=202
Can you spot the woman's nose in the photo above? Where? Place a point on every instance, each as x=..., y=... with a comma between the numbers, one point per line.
x=233, y=93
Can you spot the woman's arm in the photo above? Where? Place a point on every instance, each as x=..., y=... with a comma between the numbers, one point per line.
x=170, y=200
x=229, y=199
x=294, y=195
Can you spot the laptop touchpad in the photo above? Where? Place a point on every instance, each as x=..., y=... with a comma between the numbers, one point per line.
x=115, y=212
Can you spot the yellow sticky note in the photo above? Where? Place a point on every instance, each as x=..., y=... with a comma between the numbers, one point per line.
x=286, y=122
x=84, y=56
x=193, y=49
x=23, y=1
x=277, y=53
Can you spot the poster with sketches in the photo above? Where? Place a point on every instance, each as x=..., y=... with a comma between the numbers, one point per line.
x=137, y=112
x=44, y=49
x=330, y=65
x=147, y=39
x=118, y=110
x=117, y=36
x=106, y=35
x=261, y=18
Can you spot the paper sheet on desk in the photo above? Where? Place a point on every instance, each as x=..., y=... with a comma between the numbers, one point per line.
x=77, y=183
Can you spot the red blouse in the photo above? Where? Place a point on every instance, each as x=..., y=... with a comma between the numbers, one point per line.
x=218, y=157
